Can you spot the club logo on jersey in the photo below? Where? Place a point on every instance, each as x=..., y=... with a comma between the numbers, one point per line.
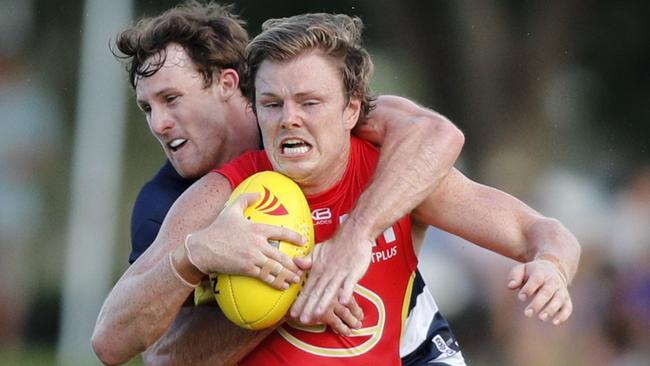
x=310, y=338
x=322, y=216
x=270, y=205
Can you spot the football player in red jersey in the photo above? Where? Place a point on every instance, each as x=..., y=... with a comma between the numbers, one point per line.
x=184, y=66
x=481, y=214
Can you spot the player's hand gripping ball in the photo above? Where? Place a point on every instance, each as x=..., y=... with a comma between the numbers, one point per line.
x=247, y=301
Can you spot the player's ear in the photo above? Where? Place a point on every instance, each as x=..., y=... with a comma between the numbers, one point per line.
x=228, y=82
x=351, y=113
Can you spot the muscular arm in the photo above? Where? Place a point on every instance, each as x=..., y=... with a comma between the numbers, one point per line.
x=418, y=148
x=148, y=297
x=503, y=224
x=203, y=336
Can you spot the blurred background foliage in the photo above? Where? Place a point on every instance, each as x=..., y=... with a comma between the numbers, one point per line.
x=553, y=97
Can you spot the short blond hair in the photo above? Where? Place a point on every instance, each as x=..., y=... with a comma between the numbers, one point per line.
x=336, y=35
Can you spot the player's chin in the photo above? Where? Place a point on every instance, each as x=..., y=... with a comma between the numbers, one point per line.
x=297, y=172
x=189, y=169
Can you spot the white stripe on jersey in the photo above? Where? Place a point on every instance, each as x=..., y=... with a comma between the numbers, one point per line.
x=418, y=322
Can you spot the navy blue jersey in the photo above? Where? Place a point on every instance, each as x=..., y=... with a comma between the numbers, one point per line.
x=154, y=200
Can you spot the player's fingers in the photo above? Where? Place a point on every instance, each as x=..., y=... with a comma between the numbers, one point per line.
x=351, y=317
x=355, y=309
x=564, y=313
x=338, y=324
x=304, y=263
x=328, y=294
x=244, y=200
x=311, y=297
x=301, y=300
x=279, y=233
x=516, y=276
x=540, y=299
x=346, y=291
x=553, y=306
x=282, y=280
x=322, y=290
x=530, y=286
x=275, y=254
x=273, y=273
x=312, y=278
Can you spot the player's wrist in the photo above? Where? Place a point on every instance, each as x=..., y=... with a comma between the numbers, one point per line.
x=190, y=248
x=183, y=268
x=357, y=230
x=183, y=278
x=556, y=263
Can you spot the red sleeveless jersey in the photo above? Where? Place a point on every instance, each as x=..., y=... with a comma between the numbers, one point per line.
x=382, y=293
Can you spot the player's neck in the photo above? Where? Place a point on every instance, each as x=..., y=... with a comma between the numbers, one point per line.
x=328, y=176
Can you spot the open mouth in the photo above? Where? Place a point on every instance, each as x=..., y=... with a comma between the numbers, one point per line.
x=294, y=147
x=176, y=144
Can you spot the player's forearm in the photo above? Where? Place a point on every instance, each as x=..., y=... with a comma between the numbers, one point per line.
x=138, y=311
x=414, y=158
x=202, y=336
x=548, y=239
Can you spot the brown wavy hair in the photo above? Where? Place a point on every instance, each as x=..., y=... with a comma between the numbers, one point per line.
x=211, y=34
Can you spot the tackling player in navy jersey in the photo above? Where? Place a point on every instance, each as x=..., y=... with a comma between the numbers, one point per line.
x=183, y=109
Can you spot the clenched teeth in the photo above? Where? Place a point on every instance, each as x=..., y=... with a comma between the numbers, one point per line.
x=295, y=150
x=176, y=143
x=295, y=146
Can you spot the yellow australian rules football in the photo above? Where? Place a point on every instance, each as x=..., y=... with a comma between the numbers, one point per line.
x=247, y=301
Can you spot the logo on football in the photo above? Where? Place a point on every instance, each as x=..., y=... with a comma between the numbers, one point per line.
x=247, y=301
x=274, y=207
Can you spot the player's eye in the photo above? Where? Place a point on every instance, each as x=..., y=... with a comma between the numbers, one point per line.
x=146, y=108
x=270, y=104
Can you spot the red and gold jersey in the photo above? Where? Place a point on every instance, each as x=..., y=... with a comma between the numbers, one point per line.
x=382, y=293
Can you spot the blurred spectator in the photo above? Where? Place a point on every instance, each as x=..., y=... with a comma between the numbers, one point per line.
x=628, y=318
x=630, y=237
x=30, y=131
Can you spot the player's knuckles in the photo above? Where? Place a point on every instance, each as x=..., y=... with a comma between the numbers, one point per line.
x=354, y=308
x=532, y=285
x=350, y=320
x=546, y=292
x=552, y=308
x=335, y=323
x=342, y=311
x=268, y=278
x=250, y=269
x=536, y=278
x=287, y=262
x=284, y=260
x=539, y=301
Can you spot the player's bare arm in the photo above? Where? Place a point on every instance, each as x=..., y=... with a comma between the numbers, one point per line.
x=501, y=223
x=406, y=132
x=147, y=298
x=202, y=336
